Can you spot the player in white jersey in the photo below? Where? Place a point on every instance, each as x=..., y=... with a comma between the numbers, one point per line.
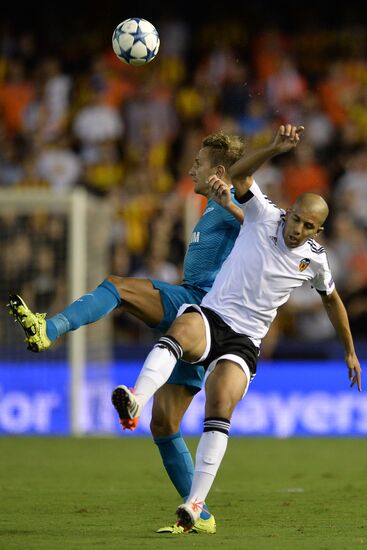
x=274, y=253
x=247, y=294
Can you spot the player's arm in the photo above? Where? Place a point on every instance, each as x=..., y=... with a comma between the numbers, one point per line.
x=286, y=139
x=236, y=211
x=221, y=193
x=339, y=318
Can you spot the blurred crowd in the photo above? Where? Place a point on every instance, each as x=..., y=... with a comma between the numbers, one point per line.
x=129, y=135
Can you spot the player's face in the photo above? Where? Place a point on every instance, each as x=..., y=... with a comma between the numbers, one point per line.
x=301, y=224
x=201, y=170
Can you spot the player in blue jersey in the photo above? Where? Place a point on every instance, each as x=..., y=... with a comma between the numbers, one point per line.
x=156, y=303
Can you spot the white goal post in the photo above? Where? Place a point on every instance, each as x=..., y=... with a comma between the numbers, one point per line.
x=87, y=221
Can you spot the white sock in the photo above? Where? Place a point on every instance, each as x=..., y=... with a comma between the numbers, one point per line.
x=209, y=455
x=156, y=370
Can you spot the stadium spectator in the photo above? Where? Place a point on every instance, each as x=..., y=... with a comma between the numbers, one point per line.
x=58, y=164
x=11, y=169
x=95, y=123
x=351, y=189
x=150, y=121
x=16, y=92
x=304, y=174
x=285, y=89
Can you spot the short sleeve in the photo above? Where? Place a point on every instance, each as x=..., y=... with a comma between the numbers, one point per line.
x=256, y=205
x=323, y=281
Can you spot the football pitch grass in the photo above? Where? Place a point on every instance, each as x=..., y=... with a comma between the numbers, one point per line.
x=107, y=493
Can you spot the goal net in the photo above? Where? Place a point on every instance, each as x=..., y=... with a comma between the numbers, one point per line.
x=54, y=248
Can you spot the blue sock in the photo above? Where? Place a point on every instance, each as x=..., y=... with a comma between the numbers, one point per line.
x=179, y=465
x=85, y=310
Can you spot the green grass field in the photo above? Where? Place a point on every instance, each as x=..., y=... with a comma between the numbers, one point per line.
x=61, y=493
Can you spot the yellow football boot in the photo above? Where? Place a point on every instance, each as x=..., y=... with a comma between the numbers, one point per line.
x=202, y=526
x=33, y=324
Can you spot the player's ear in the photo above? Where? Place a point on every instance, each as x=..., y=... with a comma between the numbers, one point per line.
x=320, y=229
x=220, y=171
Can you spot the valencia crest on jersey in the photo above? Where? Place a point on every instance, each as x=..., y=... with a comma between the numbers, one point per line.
x=304, y=263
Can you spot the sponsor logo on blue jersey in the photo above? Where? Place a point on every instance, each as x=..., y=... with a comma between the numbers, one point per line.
x=209, y=209
x=195, y=237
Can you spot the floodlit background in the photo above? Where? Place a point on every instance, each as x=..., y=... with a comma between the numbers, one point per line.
x=94, y=160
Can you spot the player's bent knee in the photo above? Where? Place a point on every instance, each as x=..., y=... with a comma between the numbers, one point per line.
x=130, y=292
x=222, y=406
x=162, y=426
x=166, y=417
x=170, y=403
x=189, y=331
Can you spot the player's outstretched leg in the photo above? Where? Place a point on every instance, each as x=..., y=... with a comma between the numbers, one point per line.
x=40, y=334
x=127, y=407
x=156, y=370
x=33, y=324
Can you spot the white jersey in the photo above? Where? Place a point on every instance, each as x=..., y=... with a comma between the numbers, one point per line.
x=261, y=271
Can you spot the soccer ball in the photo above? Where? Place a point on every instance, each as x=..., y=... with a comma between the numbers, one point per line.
x=135, y=41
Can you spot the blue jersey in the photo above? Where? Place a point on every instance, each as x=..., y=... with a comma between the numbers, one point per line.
x=212, y=240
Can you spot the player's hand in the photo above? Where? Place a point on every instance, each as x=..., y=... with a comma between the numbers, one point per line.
x=354, y=371
x=220, y=191
x=287, y=138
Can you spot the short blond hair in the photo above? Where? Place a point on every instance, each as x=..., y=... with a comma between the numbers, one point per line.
x=224, y=149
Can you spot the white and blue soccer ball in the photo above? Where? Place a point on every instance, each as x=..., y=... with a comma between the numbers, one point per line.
x=135, y=41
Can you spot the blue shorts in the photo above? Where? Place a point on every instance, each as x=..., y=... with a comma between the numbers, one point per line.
x=172, y=297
